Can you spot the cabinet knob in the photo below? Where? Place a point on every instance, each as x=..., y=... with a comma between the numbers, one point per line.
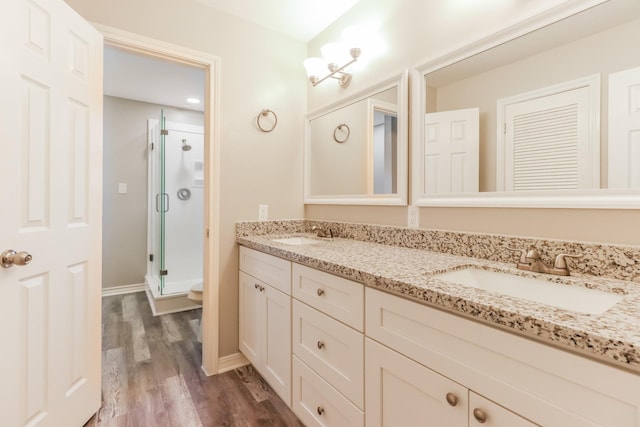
x=452, y=399
x=320, y=292
x=479, y=415
x=320, y=410
x=320, y=345
x=256, y=286
x=261, y=288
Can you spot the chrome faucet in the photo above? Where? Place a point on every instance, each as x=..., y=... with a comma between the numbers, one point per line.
x=530, y=261
x=321, y=233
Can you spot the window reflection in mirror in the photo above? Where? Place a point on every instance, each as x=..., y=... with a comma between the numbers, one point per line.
x=527, y=139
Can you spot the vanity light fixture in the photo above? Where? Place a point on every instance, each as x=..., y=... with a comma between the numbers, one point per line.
x=334, y=54
x=193, y=101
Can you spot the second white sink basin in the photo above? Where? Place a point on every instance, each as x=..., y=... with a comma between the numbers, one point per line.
x=574, y=298
x=300, y=240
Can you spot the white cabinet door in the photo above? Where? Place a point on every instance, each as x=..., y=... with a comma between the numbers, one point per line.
x=51, y=207
x=251, y=319
x=277, y=351
x=265, y=332
x=485, y=413
x=401, y=392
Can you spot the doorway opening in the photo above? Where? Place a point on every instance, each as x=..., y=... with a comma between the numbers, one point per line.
x=197, y=175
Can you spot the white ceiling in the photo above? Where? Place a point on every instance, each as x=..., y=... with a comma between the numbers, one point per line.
x=300, y=19
x=151, y=80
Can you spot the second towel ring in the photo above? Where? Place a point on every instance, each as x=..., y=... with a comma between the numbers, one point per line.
x=341, y=127
x=265, y=113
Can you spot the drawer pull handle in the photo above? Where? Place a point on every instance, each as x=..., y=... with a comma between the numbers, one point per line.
x=320, y=292
x=480, y=415
x=320, y=410
x=320, y=345
x=452, y=399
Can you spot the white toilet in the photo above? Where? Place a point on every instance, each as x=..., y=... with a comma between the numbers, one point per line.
x=195, y=295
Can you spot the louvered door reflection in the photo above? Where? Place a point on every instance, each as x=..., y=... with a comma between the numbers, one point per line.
x=547, y=143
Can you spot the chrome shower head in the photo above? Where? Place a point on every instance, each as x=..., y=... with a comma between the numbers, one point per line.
x=185, y=146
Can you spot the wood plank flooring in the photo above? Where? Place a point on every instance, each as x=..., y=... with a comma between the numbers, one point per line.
x=151, y=375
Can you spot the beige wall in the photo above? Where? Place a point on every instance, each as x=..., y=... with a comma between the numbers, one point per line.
x=124, y=222
x=414, y=31
x=259, y=69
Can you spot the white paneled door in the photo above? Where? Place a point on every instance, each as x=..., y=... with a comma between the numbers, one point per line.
x=452, y=151
x=50, y=207
x=624, y=129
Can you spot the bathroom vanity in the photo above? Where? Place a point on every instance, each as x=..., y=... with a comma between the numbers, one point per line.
x=367, y=334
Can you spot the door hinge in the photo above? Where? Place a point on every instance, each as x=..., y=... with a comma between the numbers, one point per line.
x=207, y=233
x=164, y=272
x=152, y=146
x=504, y=129
x=150, y=257
x=164, y=132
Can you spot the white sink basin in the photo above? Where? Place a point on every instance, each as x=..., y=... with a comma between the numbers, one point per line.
x=297, y=241
x=574, y=298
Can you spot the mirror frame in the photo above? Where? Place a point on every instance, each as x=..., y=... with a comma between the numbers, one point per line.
x=401, y=81
x=626, y=198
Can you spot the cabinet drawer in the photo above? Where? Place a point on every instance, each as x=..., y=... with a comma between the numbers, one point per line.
x=316, y=403
x=545, y=385
x=335, y=351
x=340, y=298
x=271, y=270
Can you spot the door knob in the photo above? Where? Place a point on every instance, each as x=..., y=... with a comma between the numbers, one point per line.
x=9, y=258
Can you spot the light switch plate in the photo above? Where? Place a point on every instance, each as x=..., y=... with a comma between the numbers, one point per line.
x=413, y=217
x=122, y=188
x=263, y=212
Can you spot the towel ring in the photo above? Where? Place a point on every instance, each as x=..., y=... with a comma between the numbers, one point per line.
x=265, y=113
x=341, y=127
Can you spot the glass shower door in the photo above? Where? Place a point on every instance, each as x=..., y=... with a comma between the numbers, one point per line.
x=162, y=200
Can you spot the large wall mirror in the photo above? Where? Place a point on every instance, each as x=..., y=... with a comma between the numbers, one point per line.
x=544, y=114
x=356, y=150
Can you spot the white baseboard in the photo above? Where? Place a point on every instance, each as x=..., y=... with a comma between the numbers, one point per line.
x=232, y=361
x=125, y=289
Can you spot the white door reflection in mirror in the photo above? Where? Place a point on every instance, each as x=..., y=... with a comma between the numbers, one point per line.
x=624, y=128
x=451, y=151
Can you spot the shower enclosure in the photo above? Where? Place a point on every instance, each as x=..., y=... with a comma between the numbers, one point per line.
x=175, y=206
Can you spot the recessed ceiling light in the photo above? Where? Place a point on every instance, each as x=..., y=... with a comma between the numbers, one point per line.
x=193, y=100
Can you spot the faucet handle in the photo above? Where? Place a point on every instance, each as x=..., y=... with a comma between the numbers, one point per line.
x=561, y=262
x=532, y=253
x=523, y=257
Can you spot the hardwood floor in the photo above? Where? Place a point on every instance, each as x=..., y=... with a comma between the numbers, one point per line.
x=151, y=375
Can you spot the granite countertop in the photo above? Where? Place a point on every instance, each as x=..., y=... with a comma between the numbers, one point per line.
x=613, y=336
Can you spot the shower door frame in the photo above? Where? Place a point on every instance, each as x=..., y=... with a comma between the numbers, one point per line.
x=134, y=43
